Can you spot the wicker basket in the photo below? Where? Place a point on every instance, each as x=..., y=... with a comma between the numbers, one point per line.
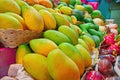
x=12, y=38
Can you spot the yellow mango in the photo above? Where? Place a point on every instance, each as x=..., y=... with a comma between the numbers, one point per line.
x=36, y=66
x=49, y=20
x=61, y=67
x=42, y=46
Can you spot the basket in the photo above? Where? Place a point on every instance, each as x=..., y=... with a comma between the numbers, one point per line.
x=12, y=38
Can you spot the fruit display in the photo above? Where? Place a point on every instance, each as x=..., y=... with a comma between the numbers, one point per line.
x=56, y=40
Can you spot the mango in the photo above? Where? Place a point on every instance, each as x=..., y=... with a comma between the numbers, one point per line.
x=21, y=3
x=60, y=19
x=36, y=66
x=19, y=18
x=39, y=7
x=77, y=30
x=45, y=3
x=33, y=19
x=66, y=1
x=61, y=67
x=49, y=20
x=72, y=52
x=42, y=46
x=56, y=36
x=22, y=50
x=85, y=54
x=66, y=10
x=8, y=21
x=9, y=6
x=70, y=33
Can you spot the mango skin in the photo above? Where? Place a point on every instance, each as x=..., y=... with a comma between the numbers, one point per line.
x=22, y=50
x=42, y=46
x=9, y=6
x=73, y=53
x=85, y=54
x=8, y=21
x=62, y=67
x=56, y=36
x=36, y=66
x=49, y=20
x=33, y=19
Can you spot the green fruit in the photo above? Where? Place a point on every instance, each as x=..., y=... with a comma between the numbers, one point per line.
x=69, y=33
x=77, y=30
x=64, y=3
x=61, y=67
x=98, y=33
x=71, y=6
x=36, y=66
x=85, y=54
x=88, y=20
x=68, y=18
x=96, y=14
x=84, y=44
x=60, y=5
x=60, y=19
x=78, y=2
x=88, y=8
x=72, y=52
x=72, y=2
x=96, y=40
x=78, y=14
x=56, y=36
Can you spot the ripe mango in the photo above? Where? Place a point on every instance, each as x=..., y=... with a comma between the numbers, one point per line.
x=60, y=19
x=49, y=20
x=32, y=18
x=70, y=33
x=9, y=6
x=42, y=46
x=36, y=66
x=66, y=10
x=22, y=50
x=61, y=67
x=45, y=3
x=8, y=21
x=56, y=36
x=21, y=3
x=73, y=53
x=39, y=7
x=85, y=54
x=19, y=18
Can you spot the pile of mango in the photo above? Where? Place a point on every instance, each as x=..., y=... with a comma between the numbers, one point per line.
x=69, y=36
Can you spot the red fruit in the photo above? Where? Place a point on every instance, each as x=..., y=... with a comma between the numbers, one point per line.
x=109, y=39
x=94, y=75
x=105, y=51
x=109, y=57
x=105, y=66
x=115, y=48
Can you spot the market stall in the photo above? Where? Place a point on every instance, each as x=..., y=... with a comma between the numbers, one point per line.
x=57, y=40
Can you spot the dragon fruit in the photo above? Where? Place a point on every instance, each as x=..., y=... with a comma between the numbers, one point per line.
x=115, y=48
x=109, y=39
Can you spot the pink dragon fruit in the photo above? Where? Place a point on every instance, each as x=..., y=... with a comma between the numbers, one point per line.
x=115, y=48
x=109, y=39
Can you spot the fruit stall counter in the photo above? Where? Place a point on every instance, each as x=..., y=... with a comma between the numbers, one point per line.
x=57, y=40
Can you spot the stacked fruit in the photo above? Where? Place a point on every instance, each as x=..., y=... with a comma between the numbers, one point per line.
x=69, y=36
